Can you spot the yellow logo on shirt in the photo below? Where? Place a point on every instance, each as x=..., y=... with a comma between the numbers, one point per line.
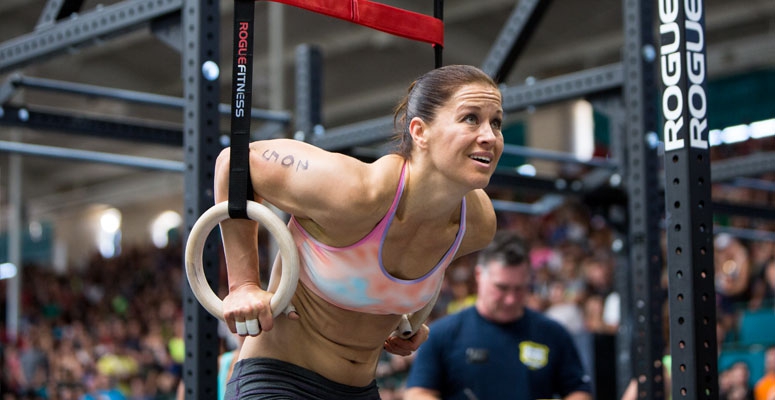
x=533, y=355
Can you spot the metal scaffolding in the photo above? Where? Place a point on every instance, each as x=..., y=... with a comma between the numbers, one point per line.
x=631, y=84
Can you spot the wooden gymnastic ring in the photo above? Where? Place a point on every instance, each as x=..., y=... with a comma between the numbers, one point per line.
x=195, y=246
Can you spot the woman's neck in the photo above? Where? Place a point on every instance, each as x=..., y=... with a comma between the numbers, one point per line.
x=428, y=198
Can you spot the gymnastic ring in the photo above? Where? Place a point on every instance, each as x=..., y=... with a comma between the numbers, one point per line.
x=409, y=324
x=195, y=246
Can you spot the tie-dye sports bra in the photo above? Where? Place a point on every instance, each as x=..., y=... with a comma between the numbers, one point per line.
x=354, y=278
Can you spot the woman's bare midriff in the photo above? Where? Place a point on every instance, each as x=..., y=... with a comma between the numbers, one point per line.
x=341, y=345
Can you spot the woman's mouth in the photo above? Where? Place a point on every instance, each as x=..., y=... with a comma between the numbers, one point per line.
x=481, y=159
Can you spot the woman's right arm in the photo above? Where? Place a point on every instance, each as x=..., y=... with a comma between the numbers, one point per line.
x=245, y=300
x=299, y=179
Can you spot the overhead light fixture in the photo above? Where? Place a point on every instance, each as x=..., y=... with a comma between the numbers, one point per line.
x=760, y=129
x=526, y=170
x=740, y=133
x=7, y=271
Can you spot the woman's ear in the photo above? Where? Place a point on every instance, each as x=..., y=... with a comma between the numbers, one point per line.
x=418, y=130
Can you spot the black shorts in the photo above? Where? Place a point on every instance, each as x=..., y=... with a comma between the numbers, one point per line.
x=266, y=378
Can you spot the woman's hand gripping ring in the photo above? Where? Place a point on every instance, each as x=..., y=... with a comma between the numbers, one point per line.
x=289, y=277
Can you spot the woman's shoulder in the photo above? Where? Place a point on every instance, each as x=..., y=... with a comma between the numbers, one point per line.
x=478, y=201
x=383, y=175
x=363, y=198
x=480, y=222
x=388, y=164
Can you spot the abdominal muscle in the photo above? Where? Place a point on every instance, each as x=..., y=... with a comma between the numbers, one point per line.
x=341, y=345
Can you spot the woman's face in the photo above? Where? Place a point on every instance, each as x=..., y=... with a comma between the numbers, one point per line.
x=465, y=140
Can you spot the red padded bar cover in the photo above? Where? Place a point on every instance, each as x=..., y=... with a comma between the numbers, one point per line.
x=396, y=21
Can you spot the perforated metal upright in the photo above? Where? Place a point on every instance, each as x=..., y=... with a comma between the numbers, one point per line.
x=309, y=91
x=642, y=172
x=688, y=208
x=201, y=147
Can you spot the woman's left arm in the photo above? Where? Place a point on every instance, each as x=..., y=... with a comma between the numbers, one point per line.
x=405, y=347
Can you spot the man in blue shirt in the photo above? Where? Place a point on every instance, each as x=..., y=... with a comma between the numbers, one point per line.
x=498, y=349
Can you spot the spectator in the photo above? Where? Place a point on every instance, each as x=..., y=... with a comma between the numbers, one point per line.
x=765, y=386
x=763, y=287
x=733, y=383
x=563, y=309
x=498, y=348
x=103, y=387
x=733, y=272
x=461, y=285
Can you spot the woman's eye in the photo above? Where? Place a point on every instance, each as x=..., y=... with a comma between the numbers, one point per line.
x=471, y=119
x=496, y=124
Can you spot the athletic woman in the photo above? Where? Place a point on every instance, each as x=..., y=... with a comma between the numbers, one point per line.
x=374, y=239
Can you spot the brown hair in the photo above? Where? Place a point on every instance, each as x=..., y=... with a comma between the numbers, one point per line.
x=507, y=247
x=429, y=93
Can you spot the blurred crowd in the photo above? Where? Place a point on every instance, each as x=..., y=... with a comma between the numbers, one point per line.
x=111, y=331
x=114, y=329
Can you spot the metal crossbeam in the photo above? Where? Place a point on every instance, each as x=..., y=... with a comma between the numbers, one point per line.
x=90, y=126
x=513, y=38
x=91, y=156
x=82, y=30
x=749, y=165
x=563, y=87
x=55, y=10
x=132, y=96
x=515, y=98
